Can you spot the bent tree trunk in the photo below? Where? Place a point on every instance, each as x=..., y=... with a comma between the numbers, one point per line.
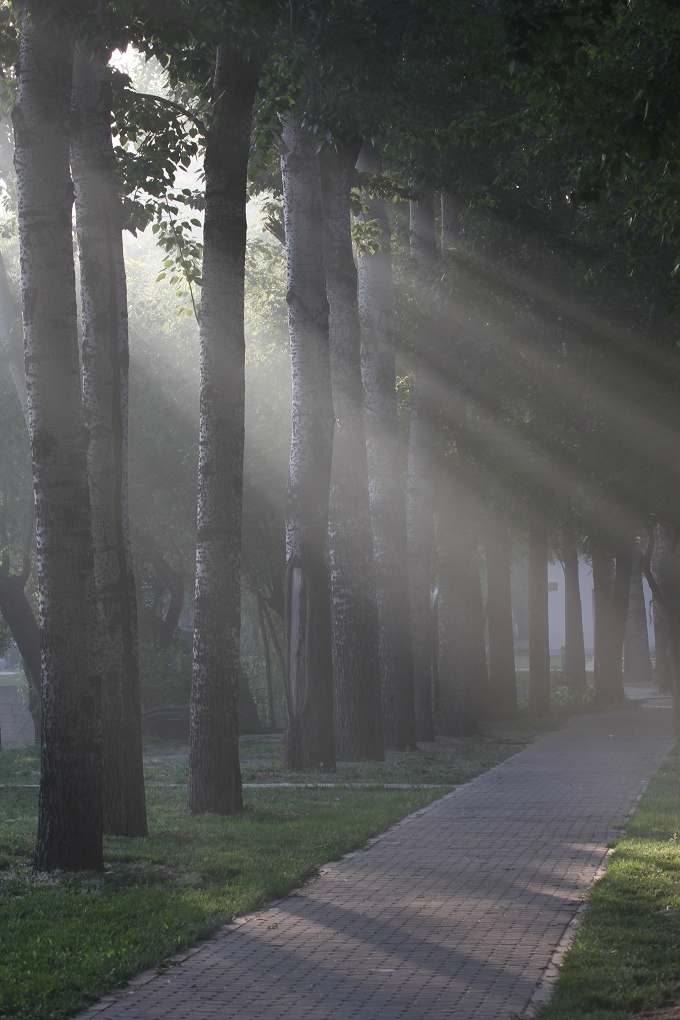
x=421, y=452
x=70, y=802
x=502, y=678
x=307, y=618
x=105, y=394
x=539, y=637
x=214, y=769
x=386, y=485
x=356, y=671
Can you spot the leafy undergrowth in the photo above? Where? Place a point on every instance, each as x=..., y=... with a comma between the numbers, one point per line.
x=626, y=955
x=65, y=940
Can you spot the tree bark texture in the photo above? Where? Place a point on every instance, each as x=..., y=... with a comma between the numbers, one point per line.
x=271, y=718
x=70, y=801
x=637, y=665
x=611, y=584
x=663, y=626
x=502, y=677
x=458, y=663
x=354, y=615
x=386, y=476
x=663, y=670
x=214, y=769
x=539, y=637
x=664, y=577
x=574, y=649
x=308, y=742
x=421, y=454
x=105, y=395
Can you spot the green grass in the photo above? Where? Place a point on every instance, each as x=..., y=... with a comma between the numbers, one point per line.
x=626, y=954
x=65, y=940
x=446, y=762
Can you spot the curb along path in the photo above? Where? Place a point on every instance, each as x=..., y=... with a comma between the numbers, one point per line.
x=455, y=912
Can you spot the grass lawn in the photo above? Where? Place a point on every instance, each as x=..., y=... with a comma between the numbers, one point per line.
x=626, y=954
x=65, y=940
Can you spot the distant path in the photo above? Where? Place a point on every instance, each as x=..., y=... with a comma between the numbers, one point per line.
x=455, y=912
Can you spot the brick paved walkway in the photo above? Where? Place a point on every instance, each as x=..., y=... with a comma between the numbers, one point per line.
x=455, y=912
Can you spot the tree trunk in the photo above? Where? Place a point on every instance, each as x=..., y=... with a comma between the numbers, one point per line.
x=667, y=564
x=214, y=768
x=502, y=679
x=611, y=583
x=307, y=619
x=421, y=451
x=637, y=664
x=539, y=636
x=70, y=802
x=105, y=394
x=663, y=669
x=271, y=719
x=356, y=668
x=574, y=650
x=386, y=482
x=663, y=627
x=460, y=679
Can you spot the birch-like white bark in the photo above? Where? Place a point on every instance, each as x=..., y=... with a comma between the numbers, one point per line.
x=103, y=291
x=70, y=803
x=386, y=488
x=309, y=740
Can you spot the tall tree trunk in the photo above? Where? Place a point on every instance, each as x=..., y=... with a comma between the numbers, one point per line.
x=386, y=484
x=460, y=681
x=70, y=802
x=271, y=719
x=611, y=583
x=663, y=669
x=637, y=664
x=480, y=700
x=667, y=592
x=356, y=668
x=105, y=395
x=214, y=768
x=308, y=740
x=502, y=678
x=663, y=627
x=421, y=452
x=574, y=649
x=539, y=636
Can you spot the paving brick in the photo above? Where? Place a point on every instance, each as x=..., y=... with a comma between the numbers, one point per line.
x=455, y=912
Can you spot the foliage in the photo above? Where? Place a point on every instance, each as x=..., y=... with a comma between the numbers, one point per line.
x=626, y=956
